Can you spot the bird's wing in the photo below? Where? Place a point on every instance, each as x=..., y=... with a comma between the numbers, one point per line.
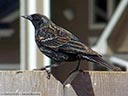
x=59, y=39
x=74, y=46
x=52, y=38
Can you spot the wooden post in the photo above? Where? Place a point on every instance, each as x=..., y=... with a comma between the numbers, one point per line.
x=99, y=83
x=36, y=83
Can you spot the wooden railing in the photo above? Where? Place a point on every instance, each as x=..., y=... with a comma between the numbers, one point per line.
x=88, y=83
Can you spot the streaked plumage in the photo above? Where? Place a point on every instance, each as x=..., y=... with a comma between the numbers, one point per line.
x=60, y=45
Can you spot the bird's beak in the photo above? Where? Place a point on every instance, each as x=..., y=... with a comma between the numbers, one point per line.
x=27, y=17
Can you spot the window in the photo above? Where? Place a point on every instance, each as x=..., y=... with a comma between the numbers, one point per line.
x=9, y=34
x=100, y=11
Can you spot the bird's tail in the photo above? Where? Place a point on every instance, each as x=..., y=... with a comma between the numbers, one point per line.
x=102, y=62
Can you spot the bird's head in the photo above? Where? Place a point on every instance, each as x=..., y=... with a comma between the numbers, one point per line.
x=37, y=20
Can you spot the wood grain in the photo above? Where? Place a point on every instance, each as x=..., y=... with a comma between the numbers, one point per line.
x=29, y=82
x=109, y=83
x=87, y=83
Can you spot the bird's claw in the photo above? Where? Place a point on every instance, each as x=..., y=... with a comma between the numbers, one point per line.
x=47, y=71
x=48, y=74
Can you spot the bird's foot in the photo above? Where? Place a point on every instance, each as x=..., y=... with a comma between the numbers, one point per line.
x=48, y=74
x=47, y=71
x=45, y=68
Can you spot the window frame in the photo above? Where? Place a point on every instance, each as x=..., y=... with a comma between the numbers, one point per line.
x=92, y=24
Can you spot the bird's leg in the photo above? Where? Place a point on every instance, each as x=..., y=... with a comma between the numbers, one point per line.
x=48, y=66
x=76, y=68
x=48, y=71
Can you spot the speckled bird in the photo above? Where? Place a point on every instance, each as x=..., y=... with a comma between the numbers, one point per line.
x=61, y=45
